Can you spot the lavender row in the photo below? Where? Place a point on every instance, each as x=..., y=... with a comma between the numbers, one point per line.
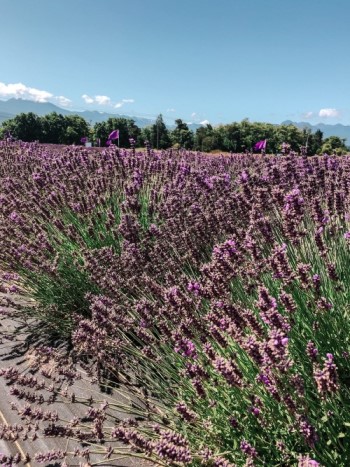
x=214, y=288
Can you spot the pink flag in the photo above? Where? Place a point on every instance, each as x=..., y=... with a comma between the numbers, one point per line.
x=114, y=135
x=260, y=144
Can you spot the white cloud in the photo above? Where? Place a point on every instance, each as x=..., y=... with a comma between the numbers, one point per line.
x=329, y=113
x=64, y=101
x=199, y=118
x=307, y=114
x=87, y=99
x=170, y=110
x=122, y=102
x=102, y=100
x=105, y=100
x=20, y=90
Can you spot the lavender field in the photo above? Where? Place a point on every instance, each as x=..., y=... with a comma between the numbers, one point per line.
x=210, y=292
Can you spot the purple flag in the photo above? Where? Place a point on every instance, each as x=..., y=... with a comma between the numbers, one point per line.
x=114, y=135
x=83, y=139
x=108, y=142
x=260, y=144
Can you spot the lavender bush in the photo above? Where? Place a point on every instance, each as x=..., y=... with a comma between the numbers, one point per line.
x=211, y=291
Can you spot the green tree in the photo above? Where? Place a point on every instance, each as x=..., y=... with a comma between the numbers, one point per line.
x=334, y=144
x=207, y=138
x=53, y=128
x=75, y=128
x=182, y=136
x=203, y=140
x=314, y=141
x=25, y=126
x=160, y=138
x=145, y=135
x=230, y=135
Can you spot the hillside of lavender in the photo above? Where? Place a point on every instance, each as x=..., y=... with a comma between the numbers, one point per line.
x=211, y=290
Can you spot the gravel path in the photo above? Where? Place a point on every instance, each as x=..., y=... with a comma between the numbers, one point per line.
x=66, y=411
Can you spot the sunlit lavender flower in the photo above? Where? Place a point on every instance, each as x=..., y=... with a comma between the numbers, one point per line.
x=185, y=347
x=248, y=449
x=194, y=287
x=227, y=248
x=255, y=411
x=306, y=461
x=308, y=431
x=173, y=447
x=185, y=412
x=229, y=371
x=327, y=377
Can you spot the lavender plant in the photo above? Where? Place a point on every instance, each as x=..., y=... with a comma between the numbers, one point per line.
x=212, y=291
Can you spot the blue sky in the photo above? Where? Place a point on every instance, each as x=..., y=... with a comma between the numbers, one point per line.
x=199, y=60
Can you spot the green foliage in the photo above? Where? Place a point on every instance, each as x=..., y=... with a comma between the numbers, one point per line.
x=182, y=136
x=62, y=292
x=334, y=144
x=53, y=128
x=233, y=137
x=241, y=136
x=26, y=127
x=207, y=139
x=159, y=134
x=145, y=136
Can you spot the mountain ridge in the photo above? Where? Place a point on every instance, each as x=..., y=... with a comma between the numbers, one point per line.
x=13, y=107
x=336, y=129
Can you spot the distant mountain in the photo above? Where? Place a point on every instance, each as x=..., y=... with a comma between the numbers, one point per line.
x=194, y=126
x=13, y=107
x=5, y=116
x=342, y=131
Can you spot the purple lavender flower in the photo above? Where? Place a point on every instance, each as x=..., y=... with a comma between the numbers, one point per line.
x=308, y=431
x=229, y=371
x=185, y=347
x=306, y=461
x=185, y=412
x=327, y=377
x=15, y=217
x=248, y=449
x=194, y=287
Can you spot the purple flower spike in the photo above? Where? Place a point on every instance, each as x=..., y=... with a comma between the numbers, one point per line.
x=186, y=348
x=248, y=449
x=194, y=287
x=305, y=461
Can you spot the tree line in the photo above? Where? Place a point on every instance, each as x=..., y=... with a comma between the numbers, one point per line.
x=241, y=136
